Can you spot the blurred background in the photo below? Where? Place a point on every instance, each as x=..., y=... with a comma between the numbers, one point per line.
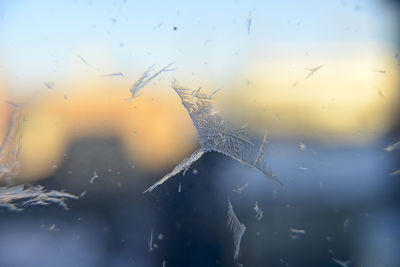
x=321, y=76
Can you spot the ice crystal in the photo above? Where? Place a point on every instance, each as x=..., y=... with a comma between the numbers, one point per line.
x=217, y=135
x=9, y=151
x=393, y=147
x=20, y=196
x=145, y=79
x=259, y=212
x=236, y=228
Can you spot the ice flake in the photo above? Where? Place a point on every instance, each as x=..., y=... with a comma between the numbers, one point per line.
x=216, y=135
x=145, y=79
x=313, y=70
x=297, y=231
x=393, y=147
x=239, y=189
x=94, y=177
x=236, y=228
x=259, y=212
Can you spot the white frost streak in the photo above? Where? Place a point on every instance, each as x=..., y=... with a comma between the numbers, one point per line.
x=20, y=196
x=260, y=213
x=113, y=74
x=239, y=189
x=9, y=151
x=11, y=132
x=183, y=166
x=94, y=177
x=297, y=231
x=150, y=242
x=313, y=70
x=393, y=147
x=394, y=173
x=259, y=162
x=248, y=23
x=260, y=156
x=236, y=228
x=343, y=263
x=145, y=79
x=302, y=146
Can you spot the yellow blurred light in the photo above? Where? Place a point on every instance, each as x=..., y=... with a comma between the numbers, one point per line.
x=346, y=97
x=154, y=130
x=347, y=100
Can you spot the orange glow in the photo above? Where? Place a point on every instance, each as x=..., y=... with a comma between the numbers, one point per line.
x=345, y=101
x=154, y=130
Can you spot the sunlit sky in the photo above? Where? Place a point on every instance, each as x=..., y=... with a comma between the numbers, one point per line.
x=41, y=40
x=262, y=72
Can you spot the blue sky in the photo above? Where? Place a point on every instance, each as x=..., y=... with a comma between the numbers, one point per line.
x=41, y=40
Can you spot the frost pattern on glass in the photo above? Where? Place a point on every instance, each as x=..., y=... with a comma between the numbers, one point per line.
x=113, y=74
x=249, y=19
x=239, y=189
x=302, y=146
x=342, y=263
x=259, y=212
x=94, y=177
x=150, y=241
x=236, y=228
x=313, y=70
x=216, y=135
x=260, y=164
x=393, y=147
x=145, y=79
x=20, y=196
x=183, y=166
x=9, y=152
x=394, y=173
x=297, y=231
